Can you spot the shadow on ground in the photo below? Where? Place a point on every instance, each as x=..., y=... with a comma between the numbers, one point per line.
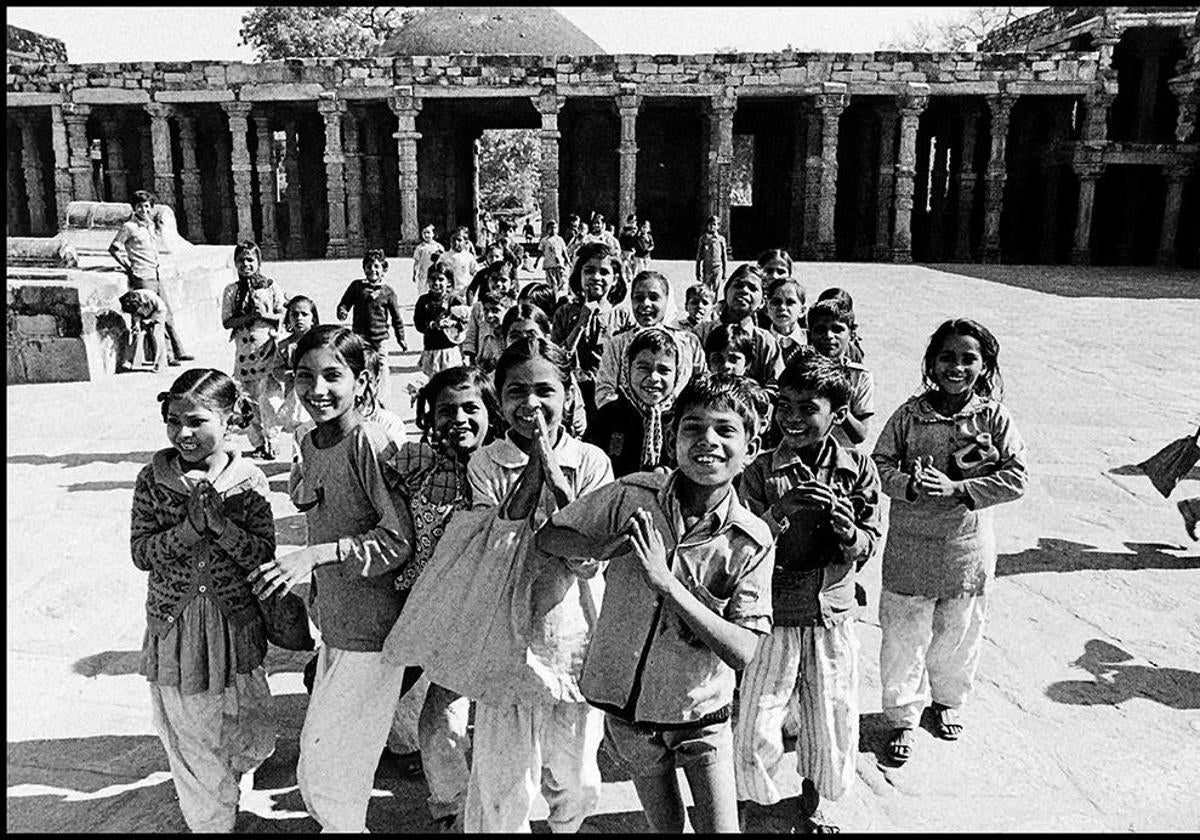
x=1136, y=469
x=79, y=459
x=1054, y=555
x=1142, y=282
x=1115, y=682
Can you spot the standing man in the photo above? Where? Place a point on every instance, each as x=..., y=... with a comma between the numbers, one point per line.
x=135, y=248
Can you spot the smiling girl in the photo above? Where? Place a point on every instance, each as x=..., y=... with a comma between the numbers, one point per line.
x=201, y=523
x=944, y=457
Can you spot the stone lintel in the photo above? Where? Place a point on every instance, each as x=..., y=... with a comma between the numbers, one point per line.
x=197, y=96
x=1049, y=88
x=809, y=89
x=648, y=89
x=32, y=100
x=110, y=96
x=480, y=92
x=963, y=88
x=356, y=94
x=262, y=93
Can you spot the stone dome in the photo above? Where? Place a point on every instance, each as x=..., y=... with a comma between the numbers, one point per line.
x=510, y=30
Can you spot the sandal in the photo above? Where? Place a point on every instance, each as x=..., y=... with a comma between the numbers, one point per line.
x=946, y=723
x=899, y=748
x=816, y=823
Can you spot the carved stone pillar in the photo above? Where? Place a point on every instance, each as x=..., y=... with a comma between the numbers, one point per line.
x=1175, y=175
x=548, y=104
x=335, y=175
x=406, y=107
x=241, y=167
x=721, y=107
x=964, y=190
x=373, y=182
x=114, y=161
x=146, y=151
x=882, y=251
x=1089, y=166
x=1095, y=117
x=830, y=105
x=1000, y=107
x=160, y=144
x=63, y=186
x=76, y=117
x=813, y=163
x=31, y=166
x=223, y=178
x=628, y=103
x=265, y=170
x=911, y=106
x=1186, y=96
x=189, y=175
x=354, y=216
x=291, y=168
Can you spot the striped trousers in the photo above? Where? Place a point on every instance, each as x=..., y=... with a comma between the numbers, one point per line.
x=813, y=671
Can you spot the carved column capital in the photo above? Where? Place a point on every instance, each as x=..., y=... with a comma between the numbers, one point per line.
x=159, y=110
x=548, y=101
x=723, y=103
x=236, y=110
x=404, y=102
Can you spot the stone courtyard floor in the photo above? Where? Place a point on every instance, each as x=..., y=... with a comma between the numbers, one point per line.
x=1087, y=711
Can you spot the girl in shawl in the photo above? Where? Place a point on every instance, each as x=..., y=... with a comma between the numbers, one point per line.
x=635, y=428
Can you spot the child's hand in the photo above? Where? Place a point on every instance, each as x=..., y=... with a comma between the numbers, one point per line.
x=651, y=553
x=841, y=518
x=807, y=494
x=195, y=507
x=542, y=444
x=282, y=574
x=934, y=482
x=214, y=511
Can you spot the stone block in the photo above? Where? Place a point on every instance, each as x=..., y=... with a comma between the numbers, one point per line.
x=793, y=75
x=913, y=76
x=841, y=76
x=863, y=76
x=49, y=359
x=1043, y=65
x=647, y=67
x=35, y=325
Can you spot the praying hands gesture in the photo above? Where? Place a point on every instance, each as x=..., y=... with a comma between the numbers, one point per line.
x=928, y=480
x=650, y=551
x=813, y=492
x=214, y=511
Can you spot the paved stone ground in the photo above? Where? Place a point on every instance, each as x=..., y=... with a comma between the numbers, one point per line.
x=1087, y=714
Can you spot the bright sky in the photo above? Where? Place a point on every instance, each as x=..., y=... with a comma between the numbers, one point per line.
x=190, y=33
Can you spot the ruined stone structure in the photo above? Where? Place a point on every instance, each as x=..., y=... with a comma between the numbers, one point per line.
x=1070, y=138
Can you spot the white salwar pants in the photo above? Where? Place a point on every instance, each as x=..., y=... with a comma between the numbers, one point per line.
x=811, y=674
x=520, y=749
x=211, y=739
x=349, y=714
x=930, y=648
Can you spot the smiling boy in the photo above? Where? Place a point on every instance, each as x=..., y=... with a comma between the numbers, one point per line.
x=821, y=500
x=830, y=330
x=687, y=599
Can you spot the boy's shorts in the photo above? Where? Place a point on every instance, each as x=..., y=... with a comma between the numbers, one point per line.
x=643, y=750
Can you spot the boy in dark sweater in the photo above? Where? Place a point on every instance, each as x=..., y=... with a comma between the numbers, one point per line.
x=373, y=304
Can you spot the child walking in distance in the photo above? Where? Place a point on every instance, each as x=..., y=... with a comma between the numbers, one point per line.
x=480, y=627
x=643, y=246
x=689, y=595
x=583, y=329
x=743, y=299
x=635, y=429
x=373, y=304
x=137, y=242
x=944, y=457
x=821, y=501
x=650, y=299
x=711, y=255
x=438, y=317
x=252, y=309
x=460, y=261
x=299, y=317
x=458, y=413
x=554, y=257
x=425, y=255
x=358, y=544
x=698, y=304
x=201, y=523
x=830, y=326
x=146, y=348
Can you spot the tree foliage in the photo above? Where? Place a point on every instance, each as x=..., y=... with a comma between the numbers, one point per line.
x=509, y=170
x=959, y=33
x=306, y=31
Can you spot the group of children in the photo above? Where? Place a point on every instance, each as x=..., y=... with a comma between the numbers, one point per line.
x=610, y=512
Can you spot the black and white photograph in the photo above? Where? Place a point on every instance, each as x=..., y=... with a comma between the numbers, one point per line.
x=480, y=419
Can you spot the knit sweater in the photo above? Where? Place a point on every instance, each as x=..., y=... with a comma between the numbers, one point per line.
x=184, y=563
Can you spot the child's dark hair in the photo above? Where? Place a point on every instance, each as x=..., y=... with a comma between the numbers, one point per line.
x=443, y=271
x=302, y=299
x=655, y=339
x=740, y=272
x=524, y=310
x=130, y=302
x=590, y=251
x=696, y=290
x=783, y=281
x=212, y=388
x=733, y=337
x=372, y=255
x=650, y=275
x=775, y=254
x=349, y=347
x=836, y=293
x=833, y=309
x=540, y=294
x=722, y=392
x=492, y=297
x=244, y=246
x=454, y=378
x=143, y=195
x=490, y=279
x=989, y=384
x=528, y=349
x=810, y=371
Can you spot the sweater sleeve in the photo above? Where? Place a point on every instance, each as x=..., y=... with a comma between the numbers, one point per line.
x=228, y=298
x=609, y=370
x=151, y=544
x=864, y=497
x=421, y=315
x=393, y=309
x=349, y=297
x=470, y=342
x=387, y=546
x=890, y=455
x=1008, y=481
x=250, y=538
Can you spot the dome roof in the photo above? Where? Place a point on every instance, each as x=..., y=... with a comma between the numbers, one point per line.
x=513, y=30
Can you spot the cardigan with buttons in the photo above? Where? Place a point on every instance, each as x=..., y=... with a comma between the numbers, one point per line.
x=185, y=564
